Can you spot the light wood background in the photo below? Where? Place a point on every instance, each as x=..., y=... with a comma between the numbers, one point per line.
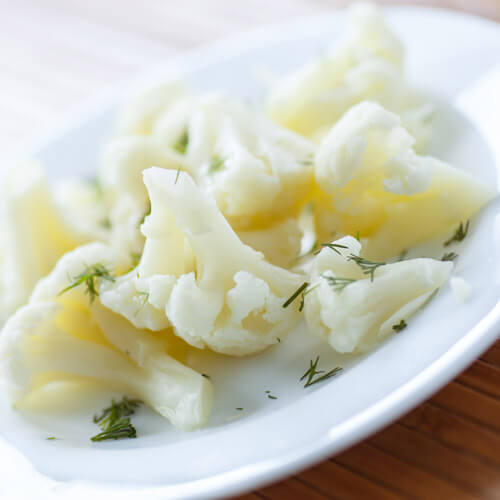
x=54, y=54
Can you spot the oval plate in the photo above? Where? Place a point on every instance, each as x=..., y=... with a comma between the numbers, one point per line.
x=272, y=438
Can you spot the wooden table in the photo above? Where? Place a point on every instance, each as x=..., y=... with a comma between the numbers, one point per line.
x=56, y=53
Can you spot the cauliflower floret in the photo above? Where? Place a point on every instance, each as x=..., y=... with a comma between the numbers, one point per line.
x=216, y=275
x=60, y=335
x=85, y=207
x=375, y=184
x=366, y=63
x=34, y=235
x=126, y=157
x=142, y=111
x=355, y=317
x=279, y=243
x=255, y=170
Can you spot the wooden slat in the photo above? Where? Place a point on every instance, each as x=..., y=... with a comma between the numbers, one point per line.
x=455, y=431
x=492, y=356
x=470, y=404
x=439, y=460
x=293, y=489
x=482, y=377
x=394, y=473
x=339, y=482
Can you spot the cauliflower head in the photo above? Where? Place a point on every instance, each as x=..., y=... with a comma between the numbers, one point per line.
x=352, y=311
x=372, y=182
x=366, y=63
x=255, y=170
x=34, y=234
x=60, y=334
x=194, y=261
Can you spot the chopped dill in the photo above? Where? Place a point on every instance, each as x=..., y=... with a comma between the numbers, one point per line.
x=206, y=376
x=51, y=438
x=357, y=236
x=119, y=430
x=312, y=371
x=399, y=326
x=144, y=300
x=114, y=421
x=295, y=294
x=216, y=164
x=459, y=235
x=239, y=409
x=177, y=175
x=146, y=213
x=338, y=284
x=449, y=256
x=182, y=143
x=89, y=277
x=334, y=246
x=105, y=223
x=367, y=266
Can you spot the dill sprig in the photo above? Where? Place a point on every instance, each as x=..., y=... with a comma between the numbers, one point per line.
x=367, y=266
x=146, y=213
x=114, y=420
x=459, y=235
x=216, y=164
x=143, y=301
x=182, y=143
x=89, y=277
x=312, y=372
x=334, y=246
x=119, y=430
x=270, y=396
x=338, y=284
x=399, y=326
x=295, y=294
x=449, y=256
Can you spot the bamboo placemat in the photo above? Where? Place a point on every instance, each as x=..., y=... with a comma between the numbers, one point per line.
x=56, y=53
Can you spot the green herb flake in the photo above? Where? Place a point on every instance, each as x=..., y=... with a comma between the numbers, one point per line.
x=89, y=278
x=459, y=235
x=367, y=266
x=51, y=438
x=206, y=376
x=295, y=294
x=313, y=371
x=334, y=246
x=239, y=409
x=146, y=213
x=182, y=143
x=338, y=284
x=143, y=301
x=216, y=164
x=450, y=257
x=399, y=326
x=114, y=420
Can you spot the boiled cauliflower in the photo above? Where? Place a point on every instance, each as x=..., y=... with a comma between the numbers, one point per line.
x=366, y=63
x=256, y=171
x=33, y=235
x=60, y=334
x=373, y=182
x=352, y=310
x=199, y=264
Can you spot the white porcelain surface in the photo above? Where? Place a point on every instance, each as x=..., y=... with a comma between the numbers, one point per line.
x=456, y=60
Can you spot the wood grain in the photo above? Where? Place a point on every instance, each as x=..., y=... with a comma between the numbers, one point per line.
x=57, y=53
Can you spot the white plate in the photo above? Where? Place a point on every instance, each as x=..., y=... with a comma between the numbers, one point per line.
x=457, y=58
